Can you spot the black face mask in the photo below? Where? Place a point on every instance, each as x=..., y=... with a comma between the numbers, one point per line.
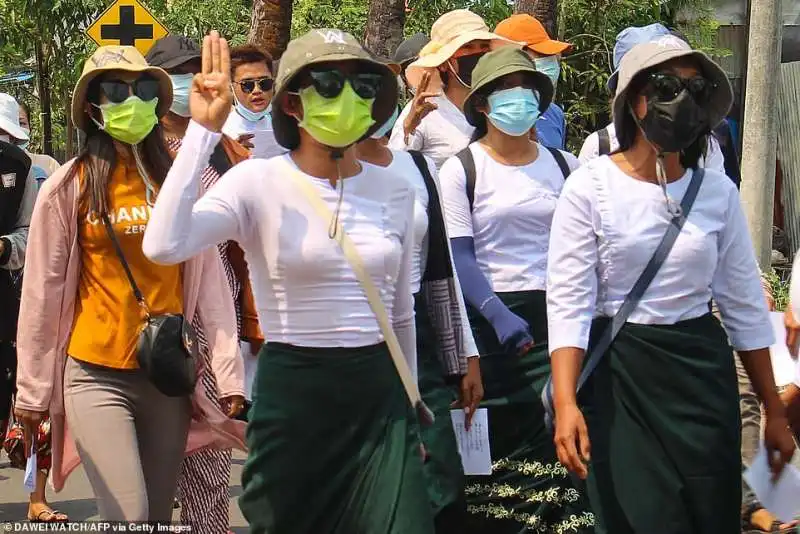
x=675, y=124
x=466, y=64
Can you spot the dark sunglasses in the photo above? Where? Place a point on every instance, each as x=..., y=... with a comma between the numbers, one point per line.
x=118, y=91
x=248, y=86
x=667, y=87
x=329, y=83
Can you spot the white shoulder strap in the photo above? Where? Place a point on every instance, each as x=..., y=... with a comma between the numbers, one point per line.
x=373, y=296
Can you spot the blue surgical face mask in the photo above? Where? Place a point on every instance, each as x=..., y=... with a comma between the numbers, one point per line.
x=387, y=126
x=24, y=144
x=549, y=66
x=181, y=89
x=246, y=114
x=514, y=111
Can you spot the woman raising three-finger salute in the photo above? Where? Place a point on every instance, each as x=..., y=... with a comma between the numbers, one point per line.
x=330, y=424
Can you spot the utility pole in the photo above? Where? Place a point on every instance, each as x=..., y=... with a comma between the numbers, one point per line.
x=760, y=125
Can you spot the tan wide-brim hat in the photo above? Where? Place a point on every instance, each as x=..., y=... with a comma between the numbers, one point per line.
x=645, y=56
x=110, y=58
x=450, y=32
x=323, y=46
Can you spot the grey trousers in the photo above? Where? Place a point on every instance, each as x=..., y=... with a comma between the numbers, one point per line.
x=130, y=438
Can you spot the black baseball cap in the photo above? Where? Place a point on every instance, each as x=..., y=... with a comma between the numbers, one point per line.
x=409, y=49
x=172, y=51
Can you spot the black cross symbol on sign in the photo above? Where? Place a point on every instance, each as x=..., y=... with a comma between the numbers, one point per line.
x=127, y=31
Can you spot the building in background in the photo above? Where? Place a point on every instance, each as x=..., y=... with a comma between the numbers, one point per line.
x=732, y=16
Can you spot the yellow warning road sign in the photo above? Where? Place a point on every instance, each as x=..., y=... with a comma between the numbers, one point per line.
x=127, y=22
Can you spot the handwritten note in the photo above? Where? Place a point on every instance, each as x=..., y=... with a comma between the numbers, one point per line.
x=779, y=497
x=783, y=365
x=473, y=446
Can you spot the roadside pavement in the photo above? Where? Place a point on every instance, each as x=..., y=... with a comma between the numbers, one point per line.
x=76, y=498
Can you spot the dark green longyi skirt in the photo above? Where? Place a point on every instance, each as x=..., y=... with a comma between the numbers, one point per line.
x=444, y=475
x=663, y=415
x=529, y=491
x=333, y=446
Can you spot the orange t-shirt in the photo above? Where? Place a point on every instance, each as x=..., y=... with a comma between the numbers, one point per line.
x=108, y=318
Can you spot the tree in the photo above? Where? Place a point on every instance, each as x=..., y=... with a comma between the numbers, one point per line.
x=385, y=22
x=270, y=25
x=47, y=34
x=545, y=11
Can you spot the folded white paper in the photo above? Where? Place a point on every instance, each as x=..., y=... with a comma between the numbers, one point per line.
x=782, y=497
x=783, y=365
x=30, y=472
x=476, y=458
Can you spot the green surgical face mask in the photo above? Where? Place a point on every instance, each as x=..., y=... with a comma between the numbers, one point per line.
x=339, y=121
x=129, y=121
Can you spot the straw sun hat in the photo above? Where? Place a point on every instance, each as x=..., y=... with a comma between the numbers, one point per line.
x=450, y=32
x=110, y=58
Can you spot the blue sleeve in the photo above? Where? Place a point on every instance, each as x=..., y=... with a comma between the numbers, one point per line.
x=474, y=285
x=512, y=331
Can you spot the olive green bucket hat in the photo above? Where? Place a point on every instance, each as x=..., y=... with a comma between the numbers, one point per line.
x=496, y=64
x=321, y=46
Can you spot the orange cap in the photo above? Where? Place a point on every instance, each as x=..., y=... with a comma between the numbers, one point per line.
x=526, y=29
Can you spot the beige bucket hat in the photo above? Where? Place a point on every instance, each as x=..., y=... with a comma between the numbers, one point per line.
x=450, y=32
x=125, y=58
x=645, y=56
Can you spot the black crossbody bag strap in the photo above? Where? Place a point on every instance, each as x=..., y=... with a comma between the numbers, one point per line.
x=632, y=300
x=118, y=249
x=468, y=162
x=604, y=142
x=560, y=160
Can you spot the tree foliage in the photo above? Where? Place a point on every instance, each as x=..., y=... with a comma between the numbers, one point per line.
x=59, y=27
x=591, y=25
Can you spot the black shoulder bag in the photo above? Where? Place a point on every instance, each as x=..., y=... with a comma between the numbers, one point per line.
x=167, y=349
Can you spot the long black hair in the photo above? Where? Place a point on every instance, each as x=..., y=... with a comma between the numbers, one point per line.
x=98, y=157
x=626, y=135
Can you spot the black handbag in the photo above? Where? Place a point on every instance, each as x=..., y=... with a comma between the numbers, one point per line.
x=167, y=349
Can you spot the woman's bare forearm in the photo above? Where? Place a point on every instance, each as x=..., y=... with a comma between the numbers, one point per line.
x=758, y=365
x=566, y=365
x=791, y=398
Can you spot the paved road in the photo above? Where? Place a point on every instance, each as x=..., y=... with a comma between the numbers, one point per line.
x=76, y=498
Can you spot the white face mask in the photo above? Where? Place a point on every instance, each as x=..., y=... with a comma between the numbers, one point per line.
x=24, y=144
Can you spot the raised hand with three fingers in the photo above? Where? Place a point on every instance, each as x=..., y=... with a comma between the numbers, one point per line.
x=212, y=97
x=420, y=107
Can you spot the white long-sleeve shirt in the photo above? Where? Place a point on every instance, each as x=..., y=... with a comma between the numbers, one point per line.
x=794, y=302
x=441, y=134
x=265, y=145
x=511, y=217
x=305, y=291
x=607, y=226
x=403, y=165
